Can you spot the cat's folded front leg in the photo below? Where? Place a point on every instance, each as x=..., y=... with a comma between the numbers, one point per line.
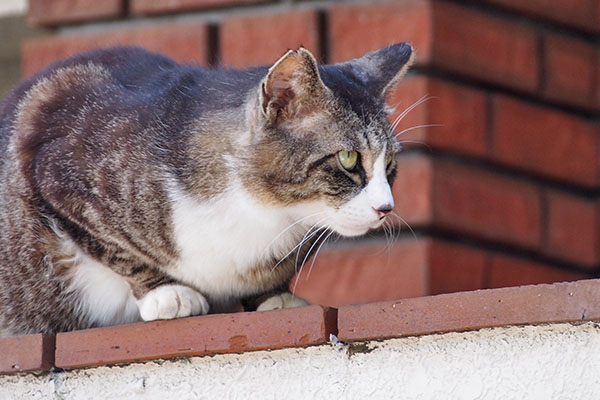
x=281, y=300
x=172, y=301
x=158, y=295
x=274, y=300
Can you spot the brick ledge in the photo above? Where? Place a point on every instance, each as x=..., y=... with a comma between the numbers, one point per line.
x=306, y=326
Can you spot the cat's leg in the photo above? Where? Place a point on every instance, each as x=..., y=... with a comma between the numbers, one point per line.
x=172, y=301
x=122, y=293
x=281, y=300
x=274, y=300
x=158, y=296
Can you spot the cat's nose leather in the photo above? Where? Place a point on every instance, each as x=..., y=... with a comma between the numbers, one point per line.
x=383, y=210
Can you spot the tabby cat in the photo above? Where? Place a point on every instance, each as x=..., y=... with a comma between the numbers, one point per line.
x=136, y=188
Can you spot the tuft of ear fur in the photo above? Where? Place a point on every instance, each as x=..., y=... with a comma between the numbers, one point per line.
x=380, y=70
x=291, y=86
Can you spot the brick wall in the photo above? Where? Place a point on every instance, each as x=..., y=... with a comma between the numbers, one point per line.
x=13, y=30
x=505, y=192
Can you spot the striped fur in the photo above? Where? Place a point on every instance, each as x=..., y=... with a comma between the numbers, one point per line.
x=136, y=188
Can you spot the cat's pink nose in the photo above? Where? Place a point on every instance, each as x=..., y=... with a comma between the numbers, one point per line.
x=383, y=210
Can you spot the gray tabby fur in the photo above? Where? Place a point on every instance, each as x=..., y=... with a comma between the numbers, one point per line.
x=135, y=188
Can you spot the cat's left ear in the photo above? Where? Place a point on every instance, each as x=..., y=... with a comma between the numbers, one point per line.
x=292, y=86
x=381, y=69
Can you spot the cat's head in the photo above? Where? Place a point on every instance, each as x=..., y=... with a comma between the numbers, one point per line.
x=321, y=141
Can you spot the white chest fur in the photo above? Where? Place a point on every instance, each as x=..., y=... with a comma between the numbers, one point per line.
x=221, y=240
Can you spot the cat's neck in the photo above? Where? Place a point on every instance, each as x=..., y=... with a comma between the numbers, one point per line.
x=232, y=230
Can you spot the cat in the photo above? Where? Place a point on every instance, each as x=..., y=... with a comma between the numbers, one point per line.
x=135, y=188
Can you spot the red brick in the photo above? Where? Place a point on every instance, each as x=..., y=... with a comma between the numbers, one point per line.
x=170, y=6
x=184, y=42
x=441, y=38
x=573, y=229
x=485, y=47
x=413, y=191
x=360, y=28
x=545, y=141
x=570, y=66
x=487, y=205
x=597, y=104
x=262, y=39
x=26, y=353
x=454, y=267
x=377, y=271
x=55, y=12
x=407, y=93
x=581, y=14
x=365, y=272
x=459, y=111
x=559, y=302
x=511, y=271
x=597, y=18
x=196, y=336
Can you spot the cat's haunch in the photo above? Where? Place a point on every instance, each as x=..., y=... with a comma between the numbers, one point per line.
x=135, y=188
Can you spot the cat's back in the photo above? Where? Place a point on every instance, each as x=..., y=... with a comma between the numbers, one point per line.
x=56, y=89
x=118, y=80
x=132, y=66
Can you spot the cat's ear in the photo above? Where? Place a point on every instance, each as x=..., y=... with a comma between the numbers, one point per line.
x=291, y=86
x=381, y=69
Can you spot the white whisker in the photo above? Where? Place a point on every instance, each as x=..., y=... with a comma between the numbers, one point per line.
x=306, y=236
x=386, y=231
x=405, y=223
x=317, y=253
x=298, y=272
x=389, y=230
x=309, y=250
x=289, y=227
x=409, y=109
x=412, y=128
x=415, y=142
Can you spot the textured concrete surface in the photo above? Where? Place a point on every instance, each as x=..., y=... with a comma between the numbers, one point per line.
x=531, y=362
x=13, y=7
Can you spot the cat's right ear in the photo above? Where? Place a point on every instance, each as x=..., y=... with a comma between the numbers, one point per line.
x=291, y=87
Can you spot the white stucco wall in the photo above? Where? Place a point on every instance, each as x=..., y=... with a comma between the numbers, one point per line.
x=560, y=361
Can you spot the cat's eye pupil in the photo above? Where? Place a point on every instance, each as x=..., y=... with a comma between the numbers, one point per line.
x=348, y=159
x=389, y=159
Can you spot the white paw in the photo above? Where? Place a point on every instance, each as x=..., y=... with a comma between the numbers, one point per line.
x=281, y=300
x=171, y=301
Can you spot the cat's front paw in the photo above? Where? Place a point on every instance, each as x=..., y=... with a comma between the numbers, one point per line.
x=171, y=301
x=281, y=300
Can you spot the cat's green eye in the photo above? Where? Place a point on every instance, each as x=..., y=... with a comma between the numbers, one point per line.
x=389, y=159
x=348, y=159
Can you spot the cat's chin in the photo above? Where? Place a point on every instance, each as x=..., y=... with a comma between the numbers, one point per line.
x=354, y=231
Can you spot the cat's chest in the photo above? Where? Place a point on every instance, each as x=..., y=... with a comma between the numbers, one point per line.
x=220, y=242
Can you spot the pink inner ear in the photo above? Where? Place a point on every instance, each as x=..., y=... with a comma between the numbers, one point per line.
x=285, y=89
x=281, y=84
x=282, y=93
x=279, y=93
